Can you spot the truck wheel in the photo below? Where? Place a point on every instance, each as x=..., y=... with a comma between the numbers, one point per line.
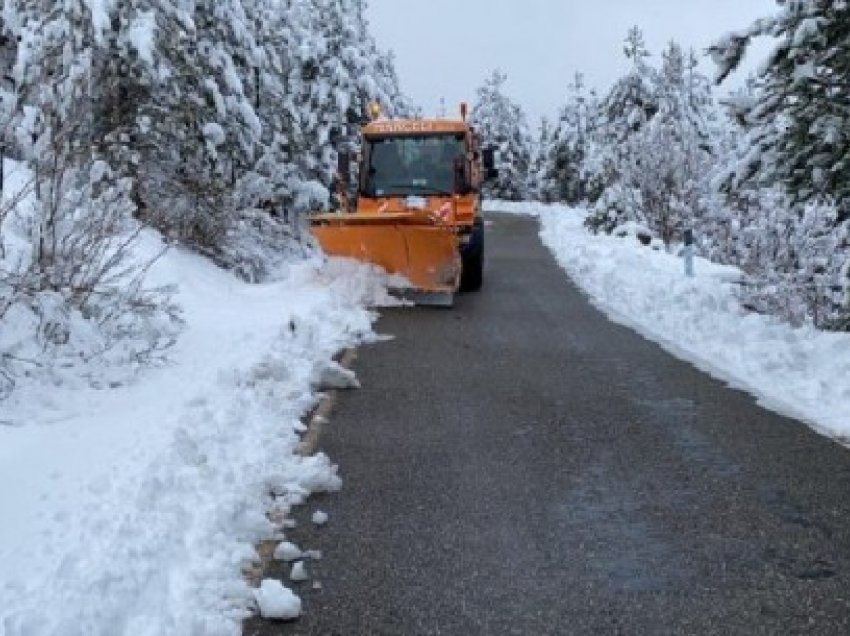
x=472, y=266
x=472, y=273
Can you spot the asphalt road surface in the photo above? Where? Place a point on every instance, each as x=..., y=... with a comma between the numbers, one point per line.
x=520, y=465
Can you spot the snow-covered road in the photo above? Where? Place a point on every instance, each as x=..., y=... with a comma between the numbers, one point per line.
x=132, y=510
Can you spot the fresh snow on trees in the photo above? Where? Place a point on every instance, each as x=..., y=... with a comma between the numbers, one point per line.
x=213, y=122
x=655, y=144
x=563, y=151
x=759, y=174
x=796, y=120
x=799, y=121
x=502, y=125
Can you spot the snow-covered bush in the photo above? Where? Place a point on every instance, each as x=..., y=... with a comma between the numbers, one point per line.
x=618, y=204
x=72, y=273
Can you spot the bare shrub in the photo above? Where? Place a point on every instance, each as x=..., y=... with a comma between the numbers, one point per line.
x=77, y=288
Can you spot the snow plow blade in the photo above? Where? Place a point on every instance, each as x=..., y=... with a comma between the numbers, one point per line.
x=424, y=253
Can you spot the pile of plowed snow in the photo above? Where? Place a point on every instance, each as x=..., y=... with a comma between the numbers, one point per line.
x=133, y=509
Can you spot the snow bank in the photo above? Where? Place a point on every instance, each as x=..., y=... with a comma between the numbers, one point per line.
x=524, y=208
x=132, y=510
x=801, y=372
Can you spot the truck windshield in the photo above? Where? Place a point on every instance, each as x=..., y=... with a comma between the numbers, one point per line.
x=410, y=165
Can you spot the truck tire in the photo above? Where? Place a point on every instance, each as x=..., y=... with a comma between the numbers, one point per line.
x=472, y=273
x=472, y=266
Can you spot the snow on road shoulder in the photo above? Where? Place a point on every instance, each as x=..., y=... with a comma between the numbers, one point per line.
x=523, y=208
x=801, y=372
x=132, y=511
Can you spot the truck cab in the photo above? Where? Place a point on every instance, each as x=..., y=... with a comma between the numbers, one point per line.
x=429, y=164
x=414, y=206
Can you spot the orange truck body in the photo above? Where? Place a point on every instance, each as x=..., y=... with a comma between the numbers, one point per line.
x=417, y=228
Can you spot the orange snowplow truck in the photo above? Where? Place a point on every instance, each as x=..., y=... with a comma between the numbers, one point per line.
x=417, y=210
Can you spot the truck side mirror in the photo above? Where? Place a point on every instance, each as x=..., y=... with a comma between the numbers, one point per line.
x=488, y=162
x=488, y=159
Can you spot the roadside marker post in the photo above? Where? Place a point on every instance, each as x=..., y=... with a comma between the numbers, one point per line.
x=689, y=253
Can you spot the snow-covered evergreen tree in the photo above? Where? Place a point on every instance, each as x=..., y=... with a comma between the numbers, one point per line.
x=566, y=149
x=797, y=123
x=623, y=112
x=673, y=152
x=216, y=110
x=538, y=161
x=656, y=124
x=800, y=122
x=502, y=124
x=633, y=100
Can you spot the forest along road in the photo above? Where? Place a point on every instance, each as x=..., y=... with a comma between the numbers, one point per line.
x=520, y=465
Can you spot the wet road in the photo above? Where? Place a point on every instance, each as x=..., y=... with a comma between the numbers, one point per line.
x=520, y=465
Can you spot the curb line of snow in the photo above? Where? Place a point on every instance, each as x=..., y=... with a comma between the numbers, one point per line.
x=314, y=420
x=321, y=414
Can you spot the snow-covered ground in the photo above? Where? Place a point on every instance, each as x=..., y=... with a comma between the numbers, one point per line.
x=132, y=510
x=801, y=372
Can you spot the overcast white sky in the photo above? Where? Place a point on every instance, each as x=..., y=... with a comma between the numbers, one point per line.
x=445, y=48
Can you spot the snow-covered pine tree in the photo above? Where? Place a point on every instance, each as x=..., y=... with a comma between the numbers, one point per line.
x=538, y=161
x=631, y=102
x=336, y=71
x=502, y=124
x=803, y=89
x=659, y=123
x=798, y=124
x=673, y=152
x=154, y=119
x=633, y=99
x=277, y=181
x=214, y=109
x=566, y=149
